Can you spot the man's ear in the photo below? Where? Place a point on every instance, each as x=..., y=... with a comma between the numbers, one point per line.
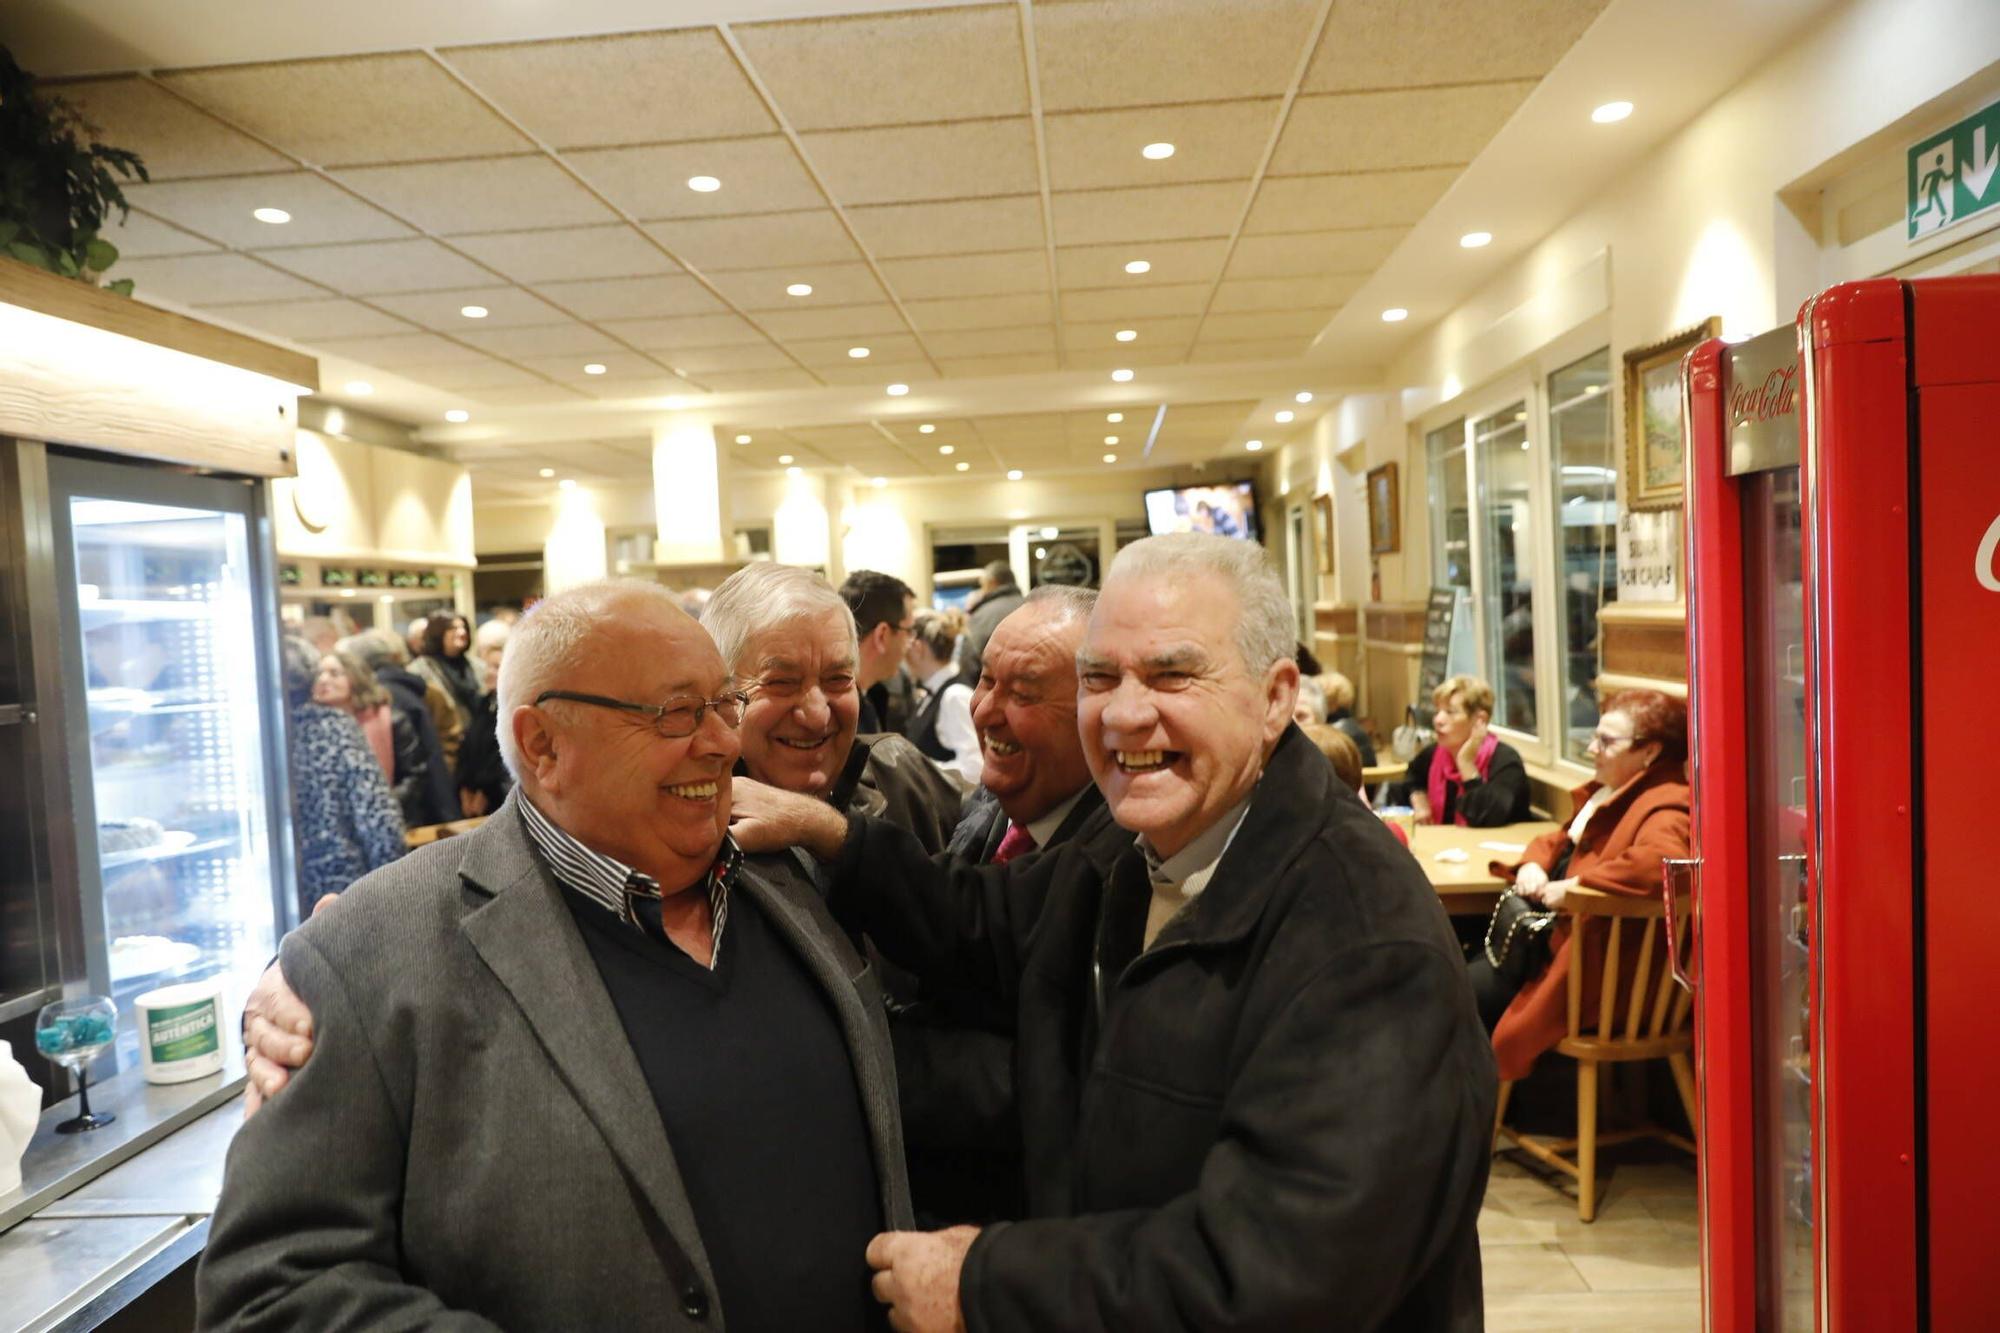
x=536, y=742
x=1281, y=697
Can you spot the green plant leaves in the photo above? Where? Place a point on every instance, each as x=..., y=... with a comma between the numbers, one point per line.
x=123, y=286
x=57, y=182
x=100, y=254
x=30, y=253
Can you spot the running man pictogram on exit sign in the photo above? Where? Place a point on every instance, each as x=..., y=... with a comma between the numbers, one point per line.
x=1954, y=175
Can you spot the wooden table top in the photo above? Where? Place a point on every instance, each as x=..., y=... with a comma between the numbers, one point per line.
x=1468, y=885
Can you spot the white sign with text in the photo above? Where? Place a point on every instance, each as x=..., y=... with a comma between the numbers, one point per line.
x=1649, y=556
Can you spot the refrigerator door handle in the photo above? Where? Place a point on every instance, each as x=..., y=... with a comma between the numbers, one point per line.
x=1682, y=875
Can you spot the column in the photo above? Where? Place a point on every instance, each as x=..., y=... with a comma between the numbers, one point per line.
x=690, y=501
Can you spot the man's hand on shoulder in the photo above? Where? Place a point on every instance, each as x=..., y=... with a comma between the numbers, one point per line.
x=277, y=1037
x=916, y=1276
x=767, y=819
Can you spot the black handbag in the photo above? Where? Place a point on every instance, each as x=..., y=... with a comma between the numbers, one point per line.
x=1522, y=931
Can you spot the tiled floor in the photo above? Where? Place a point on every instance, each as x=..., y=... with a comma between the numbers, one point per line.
x=1636, y=1268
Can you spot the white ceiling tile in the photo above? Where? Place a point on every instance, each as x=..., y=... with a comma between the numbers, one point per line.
x=532, y=395
x=306, y=321
x=214, y=280
x=761, y=240
x=487, y=374
x=1396, y=130
x=892, y=69
x=760, y=381
x=373, y=267
x=1398, y=43
x=402, y=350
x=174, y=139
x=985, y=312
x=567, y=253
x=1220, y=141
x=1099, y=335
x=761, y=175
x=563, y=338
x=1036, y=339
x=869, y=372
x=143, y=237
x=506, y=307
x=1103, y=53
x=1003, y=274
x=703, y=361
x=833, y=284
x=642, y=87
x=1235, y=327
x=632, y=298
x=883, y=349
x=380, y=108
x=1373, y=199
x=1314, y=252
x=1163, y=212
x=1327, y=293
x=1263, y=349
x=1136, y=302
x=979, y=366
x=219, y=208
x=963, y=226
x=906, y=163
x=1172, y=262
x=484, y=194
x=621, y=369
x=656, y=334
x=845, y=321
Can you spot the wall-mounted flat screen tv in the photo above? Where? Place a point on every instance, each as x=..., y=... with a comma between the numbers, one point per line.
x=1228, y=509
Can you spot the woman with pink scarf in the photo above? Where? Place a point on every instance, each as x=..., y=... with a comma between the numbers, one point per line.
x=1468, y=776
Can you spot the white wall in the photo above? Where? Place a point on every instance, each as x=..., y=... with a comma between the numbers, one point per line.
x=373, y=503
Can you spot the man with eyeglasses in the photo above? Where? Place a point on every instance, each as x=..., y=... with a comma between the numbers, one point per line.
x=584, y=1067
x=885, y=611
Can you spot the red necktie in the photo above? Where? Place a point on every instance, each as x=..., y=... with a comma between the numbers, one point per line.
x=1017, y=841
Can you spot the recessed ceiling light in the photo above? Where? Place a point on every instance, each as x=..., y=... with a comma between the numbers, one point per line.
x=795, y=472
x=547, y=472
x=799, y=289
x=1114, y=417
x=1472, y=240
x=858, y=353
x=1138, y=266
x=947, y=449
x=1302, y=396
x=359, y=388
x=1121, y=376
x=277, y=217
x=1111, y=439
x=1284, y=416
x=704, y=184
x=473, y=311
x=880, y=482
x=1111, y=458
x=926, y=428
x=1253, y=445
x=1126, y=335
x=897, y=390
x=1158, y=152
x=1050, y=534
x=1611, y=112
x=1395, y=315
x=457, y=414
x=1013, y=474
x=964, y=467
x=567, y=484
x=594, y=368
x=784, y=458
x=743, y=439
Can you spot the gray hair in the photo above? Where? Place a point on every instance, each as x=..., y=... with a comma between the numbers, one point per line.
x=493, y=634
x=1076, y=603
x=1313, y=695
x=550, y=641
x=1265, y=632
x=376, y=647
x=764, y=595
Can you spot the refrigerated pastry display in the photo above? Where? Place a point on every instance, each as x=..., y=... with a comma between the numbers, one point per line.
x=128, y=835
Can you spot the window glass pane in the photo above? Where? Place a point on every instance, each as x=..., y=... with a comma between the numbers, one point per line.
x=1507, y=572
x=1586, y=491
x=1451, y=516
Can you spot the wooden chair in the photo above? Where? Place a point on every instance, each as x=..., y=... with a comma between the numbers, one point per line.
x=1648, y=1022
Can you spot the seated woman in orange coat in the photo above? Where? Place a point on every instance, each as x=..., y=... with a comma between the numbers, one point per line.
x=1631, y=816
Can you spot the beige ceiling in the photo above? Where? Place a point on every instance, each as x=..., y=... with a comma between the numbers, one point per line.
x=962, y=187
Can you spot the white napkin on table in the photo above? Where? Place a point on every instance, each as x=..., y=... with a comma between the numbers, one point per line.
x=20, y=1108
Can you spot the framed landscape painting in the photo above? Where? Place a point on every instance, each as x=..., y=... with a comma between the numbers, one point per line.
x=1653, y=417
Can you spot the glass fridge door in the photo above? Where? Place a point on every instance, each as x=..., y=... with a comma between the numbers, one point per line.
x=1781, y=941
x=170, y=751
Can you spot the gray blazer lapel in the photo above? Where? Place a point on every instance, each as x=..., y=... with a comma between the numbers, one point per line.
x=525, y=934
x=811, y=936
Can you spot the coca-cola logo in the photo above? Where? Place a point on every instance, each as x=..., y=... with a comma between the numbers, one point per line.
x=1985, y=567
x=1774, y=397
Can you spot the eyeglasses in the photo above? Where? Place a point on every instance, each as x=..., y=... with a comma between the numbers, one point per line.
x=677, y=717
x=1604, y=744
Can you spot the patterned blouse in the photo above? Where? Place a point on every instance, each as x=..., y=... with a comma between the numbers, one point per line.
x=347, y=822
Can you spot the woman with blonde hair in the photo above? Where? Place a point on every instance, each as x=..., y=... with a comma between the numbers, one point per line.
x=348, y=684
x=942, y=725
x=1467, y=776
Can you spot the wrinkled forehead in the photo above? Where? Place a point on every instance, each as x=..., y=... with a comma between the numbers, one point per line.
x=644, y=655
x=1034, y=641
x=810, y=643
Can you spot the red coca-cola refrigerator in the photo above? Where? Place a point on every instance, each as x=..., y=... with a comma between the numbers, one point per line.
x=1842, y=515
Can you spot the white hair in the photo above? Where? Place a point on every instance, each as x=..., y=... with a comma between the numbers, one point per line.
x=1075, y=603
x=762, y=596
x=549, y=642
x=1313, y=695
x=493, y=634
x=1265, y=632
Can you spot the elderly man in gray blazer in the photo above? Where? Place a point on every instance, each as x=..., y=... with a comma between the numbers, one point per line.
x=583, y=1067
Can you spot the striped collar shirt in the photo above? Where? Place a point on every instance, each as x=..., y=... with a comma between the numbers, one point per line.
x=616, y=887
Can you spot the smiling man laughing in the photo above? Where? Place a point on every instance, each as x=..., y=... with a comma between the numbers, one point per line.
x=1252, y=1089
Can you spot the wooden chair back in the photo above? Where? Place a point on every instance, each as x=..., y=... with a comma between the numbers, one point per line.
x=1637, y=1019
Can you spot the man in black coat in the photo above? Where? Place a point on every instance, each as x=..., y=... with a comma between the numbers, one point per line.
x=435, y=798
x=1253, y=1089
x=996, y=599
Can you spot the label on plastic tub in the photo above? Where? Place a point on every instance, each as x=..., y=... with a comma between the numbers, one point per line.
x=180, y=1032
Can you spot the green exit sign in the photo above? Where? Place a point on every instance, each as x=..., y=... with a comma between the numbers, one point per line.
x=1954, y=175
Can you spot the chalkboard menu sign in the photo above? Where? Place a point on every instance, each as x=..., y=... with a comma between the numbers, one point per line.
x=1437, y=639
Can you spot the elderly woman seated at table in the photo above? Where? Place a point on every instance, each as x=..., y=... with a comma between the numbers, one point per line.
x=1467, y=776
x=1631, y=816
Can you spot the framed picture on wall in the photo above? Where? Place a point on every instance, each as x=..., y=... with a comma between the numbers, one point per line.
x=1385, y=513
x=1653, y=417
x=1323, y=531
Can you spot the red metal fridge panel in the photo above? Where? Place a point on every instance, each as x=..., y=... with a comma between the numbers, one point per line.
x=1857, y=568
x=1718, y=728
x=1959, y=518
x=1956, y=330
